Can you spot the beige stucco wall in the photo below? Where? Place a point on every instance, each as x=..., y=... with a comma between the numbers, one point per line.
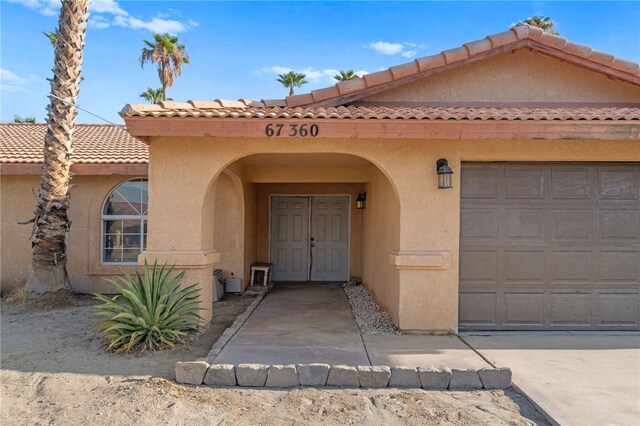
x=229, y=225
x=83, y=243
x=250, y=230
x=425, y=256
x=266, y=190
x=514, y=77
x=380, y=237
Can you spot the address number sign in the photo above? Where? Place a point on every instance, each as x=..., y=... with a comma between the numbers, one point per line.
x=291, y=130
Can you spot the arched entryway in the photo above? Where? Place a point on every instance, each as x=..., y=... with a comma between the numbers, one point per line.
x=301, y=208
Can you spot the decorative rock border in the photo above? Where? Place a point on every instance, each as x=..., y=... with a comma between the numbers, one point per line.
x=340, y=376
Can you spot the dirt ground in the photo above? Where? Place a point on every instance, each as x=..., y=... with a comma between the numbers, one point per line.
x=55, y=371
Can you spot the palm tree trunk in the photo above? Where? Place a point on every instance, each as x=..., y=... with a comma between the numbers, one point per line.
x=291, y=91
x=51, y=222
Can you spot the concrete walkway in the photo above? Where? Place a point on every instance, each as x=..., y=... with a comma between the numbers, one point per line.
x=577, y=379
x=306, y=323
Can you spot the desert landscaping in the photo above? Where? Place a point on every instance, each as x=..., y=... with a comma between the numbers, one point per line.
x=56, y=371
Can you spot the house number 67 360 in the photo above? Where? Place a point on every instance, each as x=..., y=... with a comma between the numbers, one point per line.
x=291, y=130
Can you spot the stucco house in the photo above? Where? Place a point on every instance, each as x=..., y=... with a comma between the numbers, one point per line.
x=536, y=228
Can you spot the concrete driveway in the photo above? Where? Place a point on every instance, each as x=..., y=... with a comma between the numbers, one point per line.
x=576, y=379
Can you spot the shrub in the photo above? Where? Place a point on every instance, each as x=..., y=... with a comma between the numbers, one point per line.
x=150, y=311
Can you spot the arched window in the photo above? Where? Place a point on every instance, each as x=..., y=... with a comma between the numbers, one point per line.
x=124, y=222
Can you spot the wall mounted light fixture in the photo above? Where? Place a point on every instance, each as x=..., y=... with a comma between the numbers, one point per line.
x=360, y=199
x=444, y=174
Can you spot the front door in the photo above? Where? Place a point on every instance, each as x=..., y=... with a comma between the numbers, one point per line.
x=310, y=238
x=329, y=238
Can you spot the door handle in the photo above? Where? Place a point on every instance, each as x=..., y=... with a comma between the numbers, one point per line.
x=313, y=244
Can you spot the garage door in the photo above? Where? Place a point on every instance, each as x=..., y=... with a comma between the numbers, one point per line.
x=550, y=246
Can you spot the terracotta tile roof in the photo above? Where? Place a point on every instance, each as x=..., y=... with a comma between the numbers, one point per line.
x=93, y=144
x=519, y=36
x=334, y=101
x=381, y=112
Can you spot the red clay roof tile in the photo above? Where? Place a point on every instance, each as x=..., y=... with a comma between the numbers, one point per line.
x=503, y=38
x=176, y=105
x=350, y=86
x=578, y=49
x=456, y=55
x=553, y=40
x=626, y=66
x=92, y=144
x=205, y=104
x=478, y=46
x=395, y=112
x=378, y=78
x=534, y=38
x=326, y=93
x=404, y=70
x=303, y=99
x=430, y=62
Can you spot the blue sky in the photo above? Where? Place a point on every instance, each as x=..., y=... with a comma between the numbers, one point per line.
x=237, y=48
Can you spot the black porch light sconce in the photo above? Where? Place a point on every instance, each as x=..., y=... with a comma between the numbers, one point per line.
x=444, y=174
x=360, y=199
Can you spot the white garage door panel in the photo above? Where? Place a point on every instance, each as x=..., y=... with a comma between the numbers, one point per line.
x=550, y=246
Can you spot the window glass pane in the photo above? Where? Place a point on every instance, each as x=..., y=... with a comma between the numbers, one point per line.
x=113, y=226
x=112, y=255
x=130, y=255
x=131, y=241
x=129, y=198
x=131, y=226
x=124, y=239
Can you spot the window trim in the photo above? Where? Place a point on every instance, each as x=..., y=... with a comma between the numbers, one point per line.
x=103, y=218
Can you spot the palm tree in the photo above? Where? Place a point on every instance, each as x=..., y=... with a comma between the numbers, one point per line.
x=51, y=222
x=53, y=37
x=18, y=119
x=292, y=79
x=153, y=96
x=543, y=22
x=345, y=75
x=168, y=54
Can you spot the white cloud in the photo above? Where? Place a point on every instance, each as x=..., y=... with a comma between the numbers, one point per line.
x=106, y=6
x=101, y=10
x=406, y=49
x=99, y=22
x=12, y=82
x=44, y=7
x=386, y=48
x=275, y=69
x=156, y=25
x=361, y=73
x=7, y=76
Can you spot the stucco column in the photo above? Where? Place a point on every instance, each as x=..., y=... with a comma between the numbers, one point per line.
x=181, y=214
x=427, y=259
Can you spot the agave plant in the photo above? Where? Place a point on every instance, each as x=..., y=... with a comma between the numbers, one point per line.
x=150, y=311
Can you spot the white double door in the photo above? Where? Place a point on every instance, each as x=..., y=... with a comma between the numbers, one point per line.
x=310, y=238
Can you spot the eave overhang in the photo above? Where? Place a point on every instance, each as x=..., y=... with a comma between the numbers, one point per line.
x=88, y=169
x=145, y=128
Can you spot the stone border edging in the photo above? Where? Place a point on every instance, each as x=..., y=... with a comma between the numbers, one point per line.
x=231, y=330
x=340, y=376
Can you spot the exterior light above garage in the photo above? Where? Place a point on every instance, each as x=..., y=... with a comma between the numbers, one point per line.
x=360, y=199
x=444, y=174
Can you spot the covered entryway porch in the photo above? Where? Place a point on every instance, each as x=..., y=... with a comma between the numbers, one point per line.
x=297, y=212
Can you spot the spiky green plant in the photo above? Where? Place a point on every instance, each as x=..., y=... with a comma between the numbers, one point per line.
x=150, y=311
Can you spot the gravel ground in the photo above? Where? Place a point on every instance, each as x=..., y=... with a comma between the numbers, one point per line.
x=371, y=318
x=54, y=371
